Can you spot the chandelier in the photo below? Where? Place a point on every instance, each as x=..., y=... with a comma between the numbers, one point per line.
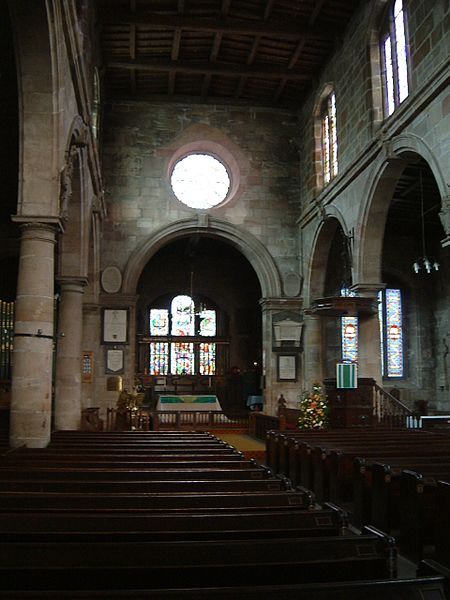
x=424, y=263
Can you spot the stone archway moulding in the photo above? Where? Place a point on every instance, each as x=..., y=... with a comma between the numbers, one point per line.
x=386, y=170
x=320, y=248
x=253, y=250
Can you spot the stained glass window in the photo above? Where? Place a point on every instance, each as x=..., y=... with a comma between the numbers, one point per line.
x=159, y=321
x=180, y=357
x=349, y=329
x=391, y=328
x=395, y=63
x=183, y=318
x=349, y=334
x=208, y=322
x=207, y=358
x=200, y=181
x=381, y=322
x=159, y=358
x=329, y=139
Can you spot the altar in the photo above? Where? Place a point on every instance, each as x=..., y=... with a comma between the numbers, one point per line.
x=188, y=402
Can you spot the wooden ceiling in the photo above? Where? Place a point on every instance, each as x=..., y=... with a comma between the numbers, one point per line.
x=256, y=52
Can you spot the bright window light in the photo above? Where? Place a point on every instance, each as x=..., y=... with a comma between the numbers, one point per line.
x=200, y=181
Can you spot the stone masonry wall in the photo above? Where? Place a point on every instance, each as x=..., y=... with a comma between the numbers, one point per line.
x=139, y=140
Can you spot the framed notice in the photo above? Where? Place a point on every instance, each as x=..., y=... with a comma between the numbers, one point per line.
x=287, y=367
x=114, y=360
x=87, y=367
x=115, y=326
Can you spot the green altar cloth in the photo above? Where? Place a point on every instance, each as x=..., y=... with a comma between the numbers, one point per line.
x=188, y=402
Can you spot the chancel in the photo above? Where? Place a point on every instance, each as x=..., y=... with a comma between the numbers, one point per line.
x=224, y=299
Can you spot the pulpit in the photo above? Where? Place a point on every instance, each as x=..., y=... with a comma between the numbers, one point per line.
x=350, y=407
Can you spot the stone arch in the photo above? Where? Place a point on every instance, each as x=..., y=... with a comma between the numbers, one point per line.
x=253, y=250
x=74, y=213
x=37, y=66
x=321, y=245
x=379, y=190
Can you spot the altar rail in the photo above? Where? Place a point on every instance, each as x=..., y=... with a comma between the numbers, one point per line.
x=144, y=420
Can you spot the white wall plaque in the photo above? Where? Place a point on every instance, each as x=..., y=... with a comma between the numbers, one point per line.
x=115, y=325
x=111, y=279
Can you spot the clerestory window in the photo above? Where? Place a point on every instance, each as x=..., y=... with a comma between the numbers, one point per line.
x=394, y=53
x=329, y=139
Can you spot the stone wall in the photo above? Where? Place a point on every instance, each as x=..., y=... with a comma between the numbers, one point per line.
x=369, y=150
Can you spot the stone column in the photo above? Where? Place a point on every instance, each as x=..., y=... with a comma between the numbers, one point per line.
x=313, y=354
x=369, y=351
x=31, y=402
x=276, y=309
x=68, y=355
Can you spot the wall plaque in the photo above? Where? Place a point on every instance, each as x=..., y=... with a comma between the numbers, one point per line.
x=111, y=279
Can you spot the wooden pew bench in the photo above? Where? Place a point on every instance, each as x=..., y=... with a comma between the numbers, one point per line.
x=208, y=563
x=92, y=526
x=423, y=588
x=183, y=501
x=290, y=453
x=148, y=487
x=143, y=473
x=425, y=515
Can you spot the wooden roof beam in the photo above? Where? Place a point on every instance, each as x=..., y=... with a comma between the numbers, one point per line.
x=159, y=66
x=292, y=29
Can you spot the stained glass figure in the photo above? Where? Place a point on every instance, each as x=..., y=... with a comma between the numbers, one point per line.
x=183, y=318
x=381, y=323
x=159, y=358
x=182, y=358
x=159, y=321
x=208, y=323
x=207, y=358
x=394, y=333
x=349, y=333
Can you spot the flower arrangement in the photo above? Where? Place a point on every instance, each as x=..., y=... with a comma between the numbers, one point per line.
x=314, y=409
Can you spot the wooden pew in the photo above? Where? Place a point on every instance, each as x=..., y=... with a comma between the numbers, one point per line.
x=176, y=472
x=132, y=565
x=289, y=453
x=423, y=510
x=328, y=520
x=186, y=502
x=423, y=588
x=257, y=524
x=148, y=487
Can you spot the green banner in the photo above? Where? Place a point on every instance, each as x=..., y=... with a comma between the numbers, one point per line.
x=346, y=376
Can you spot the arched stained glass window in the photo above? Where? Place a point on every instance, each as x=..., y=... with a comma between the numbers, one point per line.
x=391, y=332
x=182, y=311
x=178, y=356
x=349, y=334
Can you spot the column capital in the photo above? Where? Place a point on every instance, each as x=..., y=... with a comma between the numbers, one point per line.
x=281, y=304
x=72, y=283
x=369, y=289
x=38, y=223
